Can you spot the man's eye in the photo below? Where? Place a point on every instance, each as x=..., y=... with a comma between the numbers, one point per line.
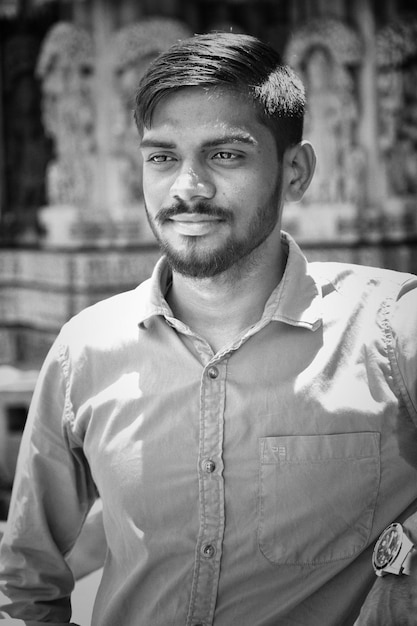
x=225, y=156
x=160, y=158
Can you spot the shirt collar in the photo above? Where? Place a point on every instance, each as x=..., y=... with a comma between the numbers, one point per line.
x=152, y=293
x=296, y=300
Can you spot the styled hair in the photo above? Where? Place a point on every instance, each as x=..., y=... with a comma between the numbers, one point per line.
x=237, y=62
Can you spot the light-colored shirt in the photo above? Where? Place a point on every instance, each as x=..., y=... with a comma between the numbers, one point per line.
x=240, y=488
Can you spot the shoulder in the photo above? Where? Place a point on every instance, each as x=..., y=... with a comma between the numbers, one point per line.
x=360, y=280
x=403, y=328
x=109, y=321
x=377, y=303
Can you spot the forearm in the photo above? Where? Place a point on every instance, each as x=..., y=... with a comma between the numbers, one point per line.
x=393, y=598
x=51, y=496
x=410, y=524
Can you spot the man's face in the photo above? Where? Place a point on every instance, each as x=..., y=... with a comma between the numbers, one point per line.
x=211, y=180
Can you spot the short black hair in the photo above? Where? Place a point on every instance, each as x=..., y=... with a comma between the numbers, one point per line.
x=232, y=61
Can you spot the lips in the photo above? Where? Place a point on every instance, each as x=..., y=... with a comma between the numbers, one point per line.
x=195, y=218
x=194, y=224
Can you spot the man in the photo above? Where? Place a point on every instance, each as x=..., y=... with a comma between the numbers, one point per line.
x=248, y=419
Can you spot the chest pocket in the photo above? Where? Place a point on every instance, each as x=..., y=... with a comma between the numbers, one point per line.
x=317, y=496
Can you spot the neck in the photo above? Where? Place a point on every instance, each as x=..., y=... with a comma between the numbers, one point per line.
x=221, y=307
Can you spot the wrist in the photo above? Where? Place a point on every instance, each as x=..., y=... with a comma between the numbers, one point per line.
x=410, y=527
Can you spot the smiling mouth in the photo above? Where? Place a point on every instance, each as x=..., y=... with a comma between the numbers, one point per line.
x=195, y=218
x=195, y=224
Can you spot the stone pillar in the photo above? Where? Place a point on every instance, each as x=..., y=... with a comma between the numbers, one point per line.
x=368, y=128
x=396, y=67
x=105, y=197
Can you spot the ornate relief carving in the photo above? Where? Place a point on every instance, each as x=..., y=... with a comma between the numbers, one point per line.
x=134, y=47
x=325, y=53
x=66, y=68
x=396, y=46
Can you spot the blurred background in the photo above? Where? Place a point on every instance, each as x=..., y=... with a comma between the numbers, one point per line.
x=72, y=223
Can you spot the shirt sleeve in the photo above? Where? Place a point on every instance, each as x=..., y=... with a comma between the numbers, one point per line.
x=404, y=329
x=52, y=493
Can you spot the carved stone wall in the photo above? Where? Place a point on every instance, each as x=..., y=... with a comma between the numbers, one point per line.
x=397, y=91
x=41, y=289
x=326, y=53
x=329, y=54
x=66, y=69
x=78, y=212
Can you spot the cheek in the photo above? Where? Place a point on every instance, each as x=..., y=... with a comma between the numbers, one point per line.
x=152, y=203
x=152, y=189
x=254, y=190
x=156, y=186
x=239, y=189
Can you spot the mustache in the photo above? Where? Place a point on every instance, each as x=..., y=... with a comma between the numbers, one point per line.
x=202, y=207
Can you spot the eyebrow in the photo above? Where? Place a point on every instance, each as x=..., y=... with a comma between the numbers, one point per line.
x=244, y=138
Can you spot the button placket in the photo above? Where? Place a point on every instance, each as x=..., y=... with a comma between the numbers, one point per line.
x=211, y=490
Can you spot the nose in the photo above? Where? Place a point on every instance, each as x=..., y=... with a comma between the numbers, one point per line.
x=191, y=184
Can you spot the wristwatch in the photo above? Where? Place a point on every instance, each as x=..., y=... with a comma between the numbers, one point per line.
x=393, y=551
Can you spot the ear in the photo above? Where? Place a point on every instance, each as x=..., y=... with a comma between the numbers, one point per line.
x=299, y=166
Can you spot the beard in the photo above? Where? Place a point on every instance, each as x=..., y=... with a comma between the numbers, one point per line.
x=234, y=252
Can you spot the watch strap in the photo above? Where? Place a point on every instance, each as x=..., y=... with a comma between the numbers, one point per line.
x=406, y=565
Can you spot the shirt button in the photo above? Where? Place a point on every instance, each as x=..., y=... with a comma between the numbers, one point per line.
x=213, y=372
x=208, y=466
x=208, y=550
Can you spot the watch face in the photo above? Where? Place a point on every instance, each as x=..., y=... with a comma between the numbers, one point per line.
x=388, y=546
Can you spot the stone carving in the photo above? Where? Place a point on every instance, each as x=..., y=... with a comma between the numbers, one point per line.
x=325, y=52
x=134, y=47
x=66, y=69
x=396, y=46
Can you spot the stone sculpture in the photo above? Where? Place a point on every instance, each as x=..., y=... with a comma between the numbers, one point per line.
x=66, y=69
x=325, y=52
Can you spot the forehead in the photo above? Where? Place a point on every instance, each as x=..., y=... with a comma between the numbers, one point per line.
x=200, y=110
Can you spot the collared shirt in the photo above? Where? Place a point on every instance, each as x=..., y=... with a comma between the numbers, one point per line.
x=245, y=487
